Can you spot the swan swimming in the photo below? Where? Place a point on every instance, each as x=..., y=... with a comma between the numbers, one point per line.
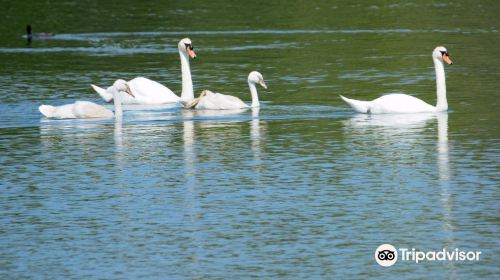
x=147, y=91
x=86, y=109
x=403, y=103
x=216, y=101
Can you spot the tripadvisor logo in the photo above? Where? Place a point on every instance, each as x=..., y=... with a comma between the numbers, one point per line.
x=387, y=255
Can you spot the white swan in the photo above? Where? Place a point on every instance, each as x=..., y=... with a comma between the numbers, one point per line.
x=147, y=91
x=403, y=103
x=216, y=101
x=86, y=109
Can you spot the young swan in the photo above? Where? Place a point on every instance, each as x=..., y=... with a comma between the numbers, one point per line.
x=215, y=101
x=403, y=103
x=86, y=109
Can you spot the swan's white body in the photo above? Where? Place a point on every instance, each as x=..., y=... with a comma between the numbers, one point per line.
x=402, y=103
x=216, y=101
x=147, y=91
x=87, y=109
x=77, y=110
x=395, y=103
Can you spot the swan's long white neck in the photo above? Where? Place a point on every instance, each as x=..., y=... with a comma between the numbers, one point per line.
x=187, y=83
x=117, y=101
x=442, y=103
x=253, y=92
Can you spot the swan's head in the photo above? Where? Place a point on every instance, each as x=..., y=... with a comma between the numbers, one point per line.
x=256, y=78
x=122, y=85
x=186, y=46
x=441, y=54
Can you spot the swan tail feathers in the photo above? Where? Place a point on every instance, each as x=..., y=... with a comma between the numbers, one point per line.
x=47, y=110
x=108, y=97
x=357, y=105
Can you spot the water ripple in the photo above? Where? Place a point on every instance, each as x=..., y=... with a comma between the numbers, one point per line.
x=101, y=35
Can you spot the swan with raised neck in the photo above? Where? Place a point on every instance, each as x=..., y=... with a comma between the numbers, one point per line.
x=403, y=103
x=147, y=91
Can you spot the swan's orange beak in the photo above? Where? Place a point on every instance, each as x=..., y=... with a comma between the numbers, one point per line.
x=190, y=52
x=447, y=59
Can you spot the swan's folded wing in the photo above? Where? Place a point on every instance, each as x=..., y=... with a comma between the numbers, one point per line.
x=58, y=112
x=207, y=103
x=400, y=103
x=86, y=109
x=228, y=101
x=147, y=91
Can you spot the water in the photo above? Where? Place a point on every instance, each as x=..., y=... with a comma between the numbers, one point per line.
x=302, y=188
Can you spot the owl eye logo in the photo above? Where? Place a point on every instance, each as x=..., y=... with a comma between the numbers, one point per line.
x=386, y=255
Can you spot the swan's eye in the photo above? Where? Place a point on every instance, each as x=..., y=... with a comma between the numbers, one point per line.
x=444, y=53
x=189, y=46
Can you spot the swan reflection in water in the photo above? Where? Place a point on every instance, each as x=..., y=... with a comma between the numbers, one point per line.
x=59, y=136
x=257, y=129
x=140, y=132
x=213, y=114
x=209, y=138
x=408, y=141
x=402, y=137
x=231, y=132
x=443, y=149
x=392, y=122
x=118, y=138
x=443, y=163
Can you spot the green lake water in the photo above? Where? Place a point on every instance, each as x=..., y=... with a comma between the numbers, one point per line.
x=302, y=188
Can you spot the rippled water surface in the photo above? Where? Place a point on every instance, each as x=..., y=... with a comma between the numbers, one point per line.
x=300, y=188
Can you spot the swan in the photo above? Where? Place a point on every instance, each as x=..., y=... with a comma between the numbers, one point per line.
x=216, y=101
x=86, y=109
x=147, y=91
x=403, y=103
